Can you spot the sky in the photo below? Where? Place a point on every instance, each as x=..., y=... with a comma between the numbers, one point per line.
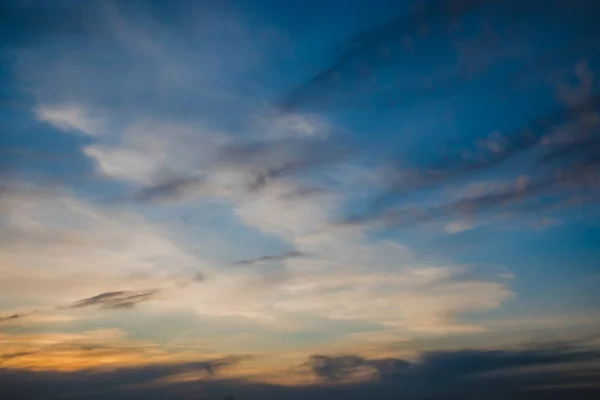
x=274, y=200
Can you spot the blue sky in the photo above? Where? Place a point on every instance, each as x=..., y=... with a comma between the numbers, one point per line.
x=302, y=194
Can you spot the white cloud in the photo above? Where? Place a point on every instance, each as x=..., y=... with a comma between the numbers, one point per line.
x=63, y=249
x=295, y=126
x=59, y=248
x=459, y=226
x=70, y=118
x=68, y=248
x=149, y=151
x=273, y=212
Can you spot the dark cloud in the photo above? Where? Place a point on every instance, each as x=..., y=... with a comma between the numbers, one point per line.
x=272, y=257
x=116, y=300
x=337, y=368
x=474, y=374
x=167, y=190
x=121, y=383
x=9, y=356
x=198, y=277
x=537, y=372
x=184, y=281
x=304, y=192
x=152, y=372
x=13, y=316
x=269, y=160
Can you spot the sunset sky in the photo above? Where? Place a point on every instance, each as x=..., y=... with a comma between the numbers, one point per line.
x=282, y=199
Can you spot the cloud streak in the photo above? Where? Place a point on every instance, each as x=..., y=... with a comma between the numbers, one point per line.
x=117, y=300
x=13, y=317
x=272, y=257
x=251, y=166
x=371, y=50
x=559, y=165
x=405, y=42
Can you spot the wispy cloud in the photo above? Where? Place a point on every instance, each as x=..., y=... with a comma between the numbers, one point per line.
x=558, y=169
x=12, y=316
x=356, y=58
x=70, y=118
x=272, y=257
x=101, y=349
x=117, y=300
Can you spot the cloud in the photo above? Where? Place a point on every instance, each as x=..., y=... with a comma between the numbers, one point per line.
x=154, y=154
x=168, y=372
x=509, y=145
x=459, y=226
x=60, y=247
x=12, y=317
x=162, y=152
x=414, y=301
x=284, y=178
x=70, y=118
x=175, y=190
x=338, y=368
x=564, y=153
x=106, y=350
x=363, y=70
x=131, y=255
x=536, y=372
x=357, y=57
x=8, y=356
x=232, y=170
x=518, y=372
x=116, y=300
x=335, y=368
x=271, y=257
x=339, y=283
x=562, y=166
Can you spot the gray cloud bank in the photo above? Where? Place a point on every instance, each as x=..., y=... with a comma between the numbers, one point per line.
x=538, y=372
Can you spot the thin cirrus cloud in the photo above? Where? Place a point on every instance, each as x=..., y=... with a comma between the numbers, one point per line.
x=562, y=148
x=358, y=56
x=271, y=257
x=12, y=317
x=404, y=41
x=249, y=166
x=105, y=349
x=116, y=300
